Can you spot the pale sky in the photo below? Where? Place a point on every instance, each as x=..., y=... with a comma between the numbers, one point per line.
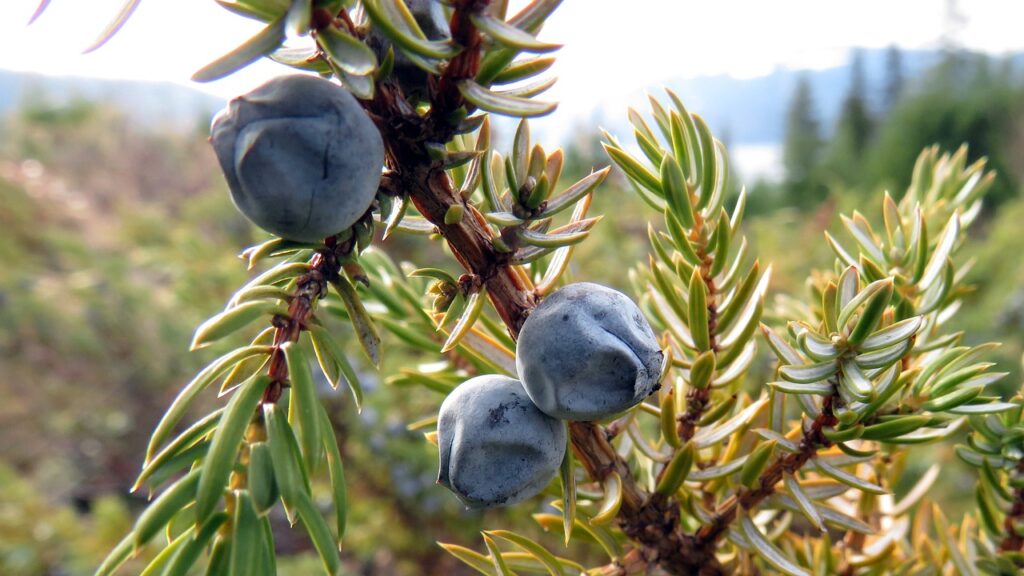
x=614, y=50
x=609, y=45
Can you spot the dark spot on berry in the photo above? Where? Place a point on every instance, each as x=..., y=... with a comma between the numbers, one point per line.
x=497, y=415
x=639, y=321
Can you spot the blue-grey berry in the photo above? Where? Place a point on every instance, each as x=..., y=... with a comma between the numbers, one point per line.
x=301, y=157
x=587, y=352
x=497, y=448
x=429, y=15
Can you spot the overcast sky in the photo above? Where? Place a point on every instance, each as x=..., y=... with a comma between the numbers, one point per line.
x=608, y=44
x=613, y=49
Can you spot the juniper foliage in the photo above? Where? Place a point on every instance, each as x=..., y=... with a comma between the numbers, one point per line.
x=712, y=474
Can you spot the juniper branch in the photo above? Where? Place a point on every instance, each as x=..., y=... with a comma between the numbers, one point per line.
x=653, y=524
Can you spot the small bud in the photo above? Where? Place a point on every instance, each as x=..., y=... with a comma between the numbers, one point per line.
x=702, y=370
x=442, y=301
x=669, y=429
x=500, y=245
x=436, y=151
x=756, y=463
x=454, y=214
x=676, y=470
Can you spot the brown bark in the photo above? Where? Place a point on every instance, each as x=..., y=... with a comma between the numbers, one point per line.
x=1012, y=541
x=813, y=439
x=324, y=266
x=698, y=399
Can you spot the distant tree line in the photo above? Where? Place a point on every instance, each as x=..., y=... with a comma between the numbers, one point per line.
x=965, y=98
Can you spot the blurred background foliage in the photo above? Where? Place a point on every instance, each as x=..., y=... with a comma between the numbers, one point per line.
x=117, y=240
